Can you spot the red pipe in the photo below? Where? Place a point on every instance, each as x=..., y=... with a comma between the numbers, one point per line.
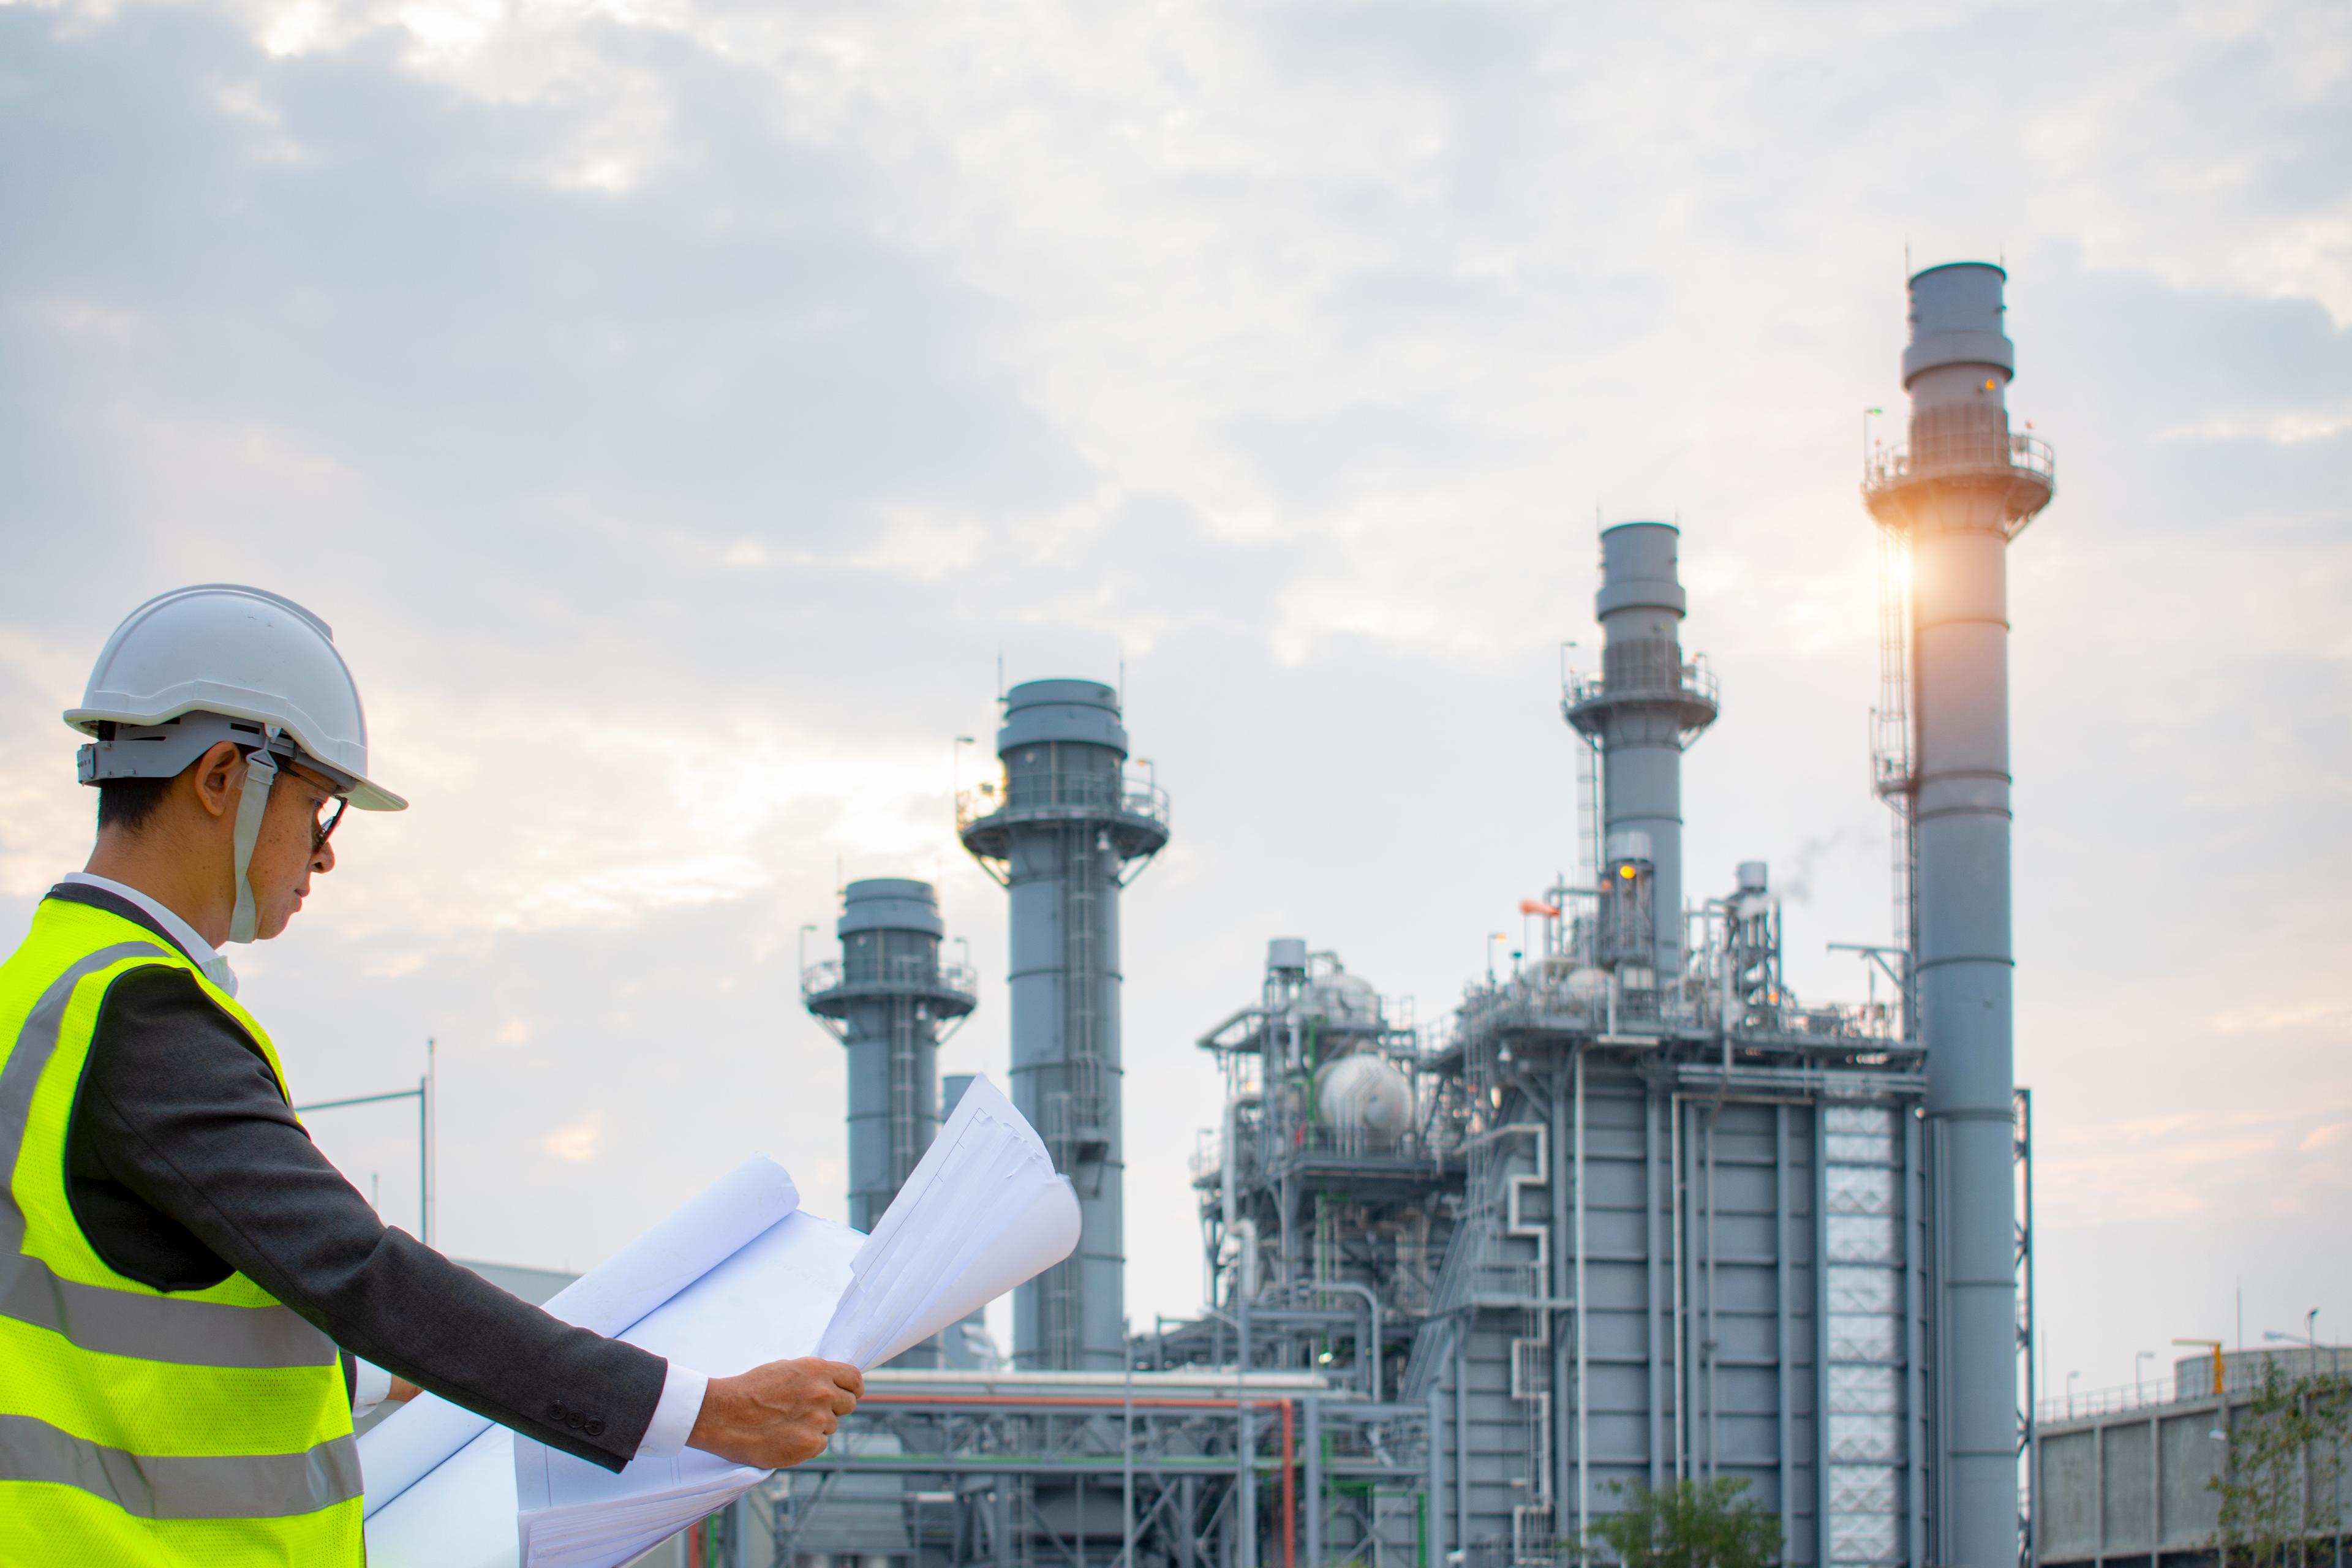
x=1289, y=1458
x=1289, y=1495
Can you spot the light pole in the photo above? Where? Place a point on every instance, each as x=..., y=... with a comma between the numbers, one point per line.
x=2310, y=1340
x=803, y=969
x=1492, y=938
x=2306, y=1339
x=2138, y=1356
x=2070, y=1393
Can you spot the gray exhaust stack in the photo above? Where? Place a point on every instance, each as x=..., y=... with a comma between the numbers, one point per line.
x=1647, y=706
x=885, y=999
x=1064, y=830
x=1954, y=500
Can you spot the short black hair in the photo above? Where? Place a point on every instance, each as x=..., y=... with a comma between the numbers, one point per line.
x=131, y=803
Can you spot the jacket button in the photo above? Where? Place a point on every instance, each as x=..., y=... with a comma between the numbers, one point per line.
x=575, y=1421
x=555, y=1411
x=596, y=1428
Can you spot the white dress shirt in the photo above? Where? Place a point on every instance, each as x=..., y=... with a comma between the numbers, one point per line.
x=682, y=1390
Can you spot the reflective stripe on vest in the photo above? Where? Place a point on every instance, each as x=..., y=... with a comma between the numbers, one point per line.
x=199, y=1426
x=196, y=1485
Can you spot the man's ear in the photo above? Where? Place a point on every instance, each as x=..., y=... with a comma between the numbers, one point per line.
x=216, y=774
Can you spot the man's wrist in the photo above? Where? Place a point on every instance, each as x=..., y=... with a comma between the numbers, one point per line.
x=673, y=1423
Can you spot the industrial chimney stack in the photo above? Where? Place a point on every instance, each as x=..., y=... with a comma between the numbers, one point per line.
x=1647, y=705
x=885, y=999
x=1065, y=829
x=1949, y=504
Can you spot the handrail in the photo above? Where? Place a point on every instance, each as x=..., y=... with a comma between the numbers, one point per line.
x=1063, y=793
x=902, y=975
x=1647, y=667
x=2020, y=453
x=2245, y=1379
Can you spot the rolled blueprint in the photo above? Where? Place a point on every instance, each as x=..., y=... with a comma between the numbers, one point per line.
x=705, y=1231
x=984, y=1210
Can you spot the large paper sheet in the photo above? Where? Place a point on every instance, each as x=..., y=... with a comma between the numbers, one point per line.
x=983, y=1211
x=610, y=1299
x=768, y=1302
x=460, y=1515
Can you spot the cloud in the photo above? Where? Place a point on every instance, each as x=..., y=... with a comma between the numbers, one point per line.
x=2190, y=1164
x=582, y=1140
x=2322, y=1017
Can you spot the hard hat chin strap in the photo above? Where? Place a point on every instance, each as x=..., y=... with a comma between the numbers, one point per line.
x=260, y=777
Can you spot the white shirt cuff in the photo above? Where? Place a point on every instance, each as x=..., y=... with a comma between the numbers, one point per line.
x=674, y=1417
x=371, y=1387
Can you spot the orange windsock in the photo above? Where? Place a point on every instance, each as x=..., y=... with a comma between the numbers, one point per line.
x=1537, y=907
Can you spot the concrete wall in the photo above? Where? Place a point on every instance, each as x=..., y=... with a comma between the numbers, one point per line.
x=2136, y=1483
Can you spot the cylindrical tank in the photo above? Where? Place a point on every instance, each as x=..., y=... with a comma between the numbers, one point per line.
x=1363, y=1096
x=1067, y=826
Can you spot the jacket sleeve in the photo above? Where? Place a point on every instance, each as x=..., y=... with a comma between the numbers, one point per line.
x=180, y=1110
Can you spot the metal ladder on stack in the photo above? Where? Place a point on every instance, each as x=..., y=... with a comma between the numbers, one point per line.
x=905, y=1139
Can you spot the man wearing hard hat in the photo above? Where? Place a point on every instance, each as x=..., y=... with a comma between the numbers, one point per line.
x=178, y=1264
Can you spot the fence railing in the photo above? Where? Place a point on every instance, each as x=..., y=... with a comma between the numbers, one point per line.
x=1645, y=667
x=2018, y=453
x=1071, y=793
x=2178, y=1387
x=899, y=974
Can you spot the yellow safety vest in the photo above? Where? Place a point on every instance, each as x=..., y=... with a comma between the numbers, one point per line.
x=139, y=1426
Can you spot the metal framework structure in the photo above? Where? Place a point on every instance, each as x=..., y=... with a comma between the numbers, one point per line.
x=1178, y=1470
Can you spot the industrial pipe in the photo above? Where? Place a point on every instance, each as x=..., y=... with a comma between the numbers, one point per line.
x=1374, y=1302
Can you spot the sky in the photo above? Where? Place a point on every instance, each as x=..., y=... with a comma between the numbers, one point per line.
x=679, y=410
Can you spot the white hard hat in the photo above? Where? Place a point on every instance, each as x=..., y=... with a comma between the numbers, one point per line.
x=195, y=667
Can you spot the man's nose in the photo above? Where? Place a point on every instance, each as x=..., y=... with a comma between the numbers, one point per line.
x=322, y=859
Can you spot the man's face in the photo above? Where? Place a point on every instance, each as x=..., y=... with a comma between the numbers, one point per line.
x=289, y=853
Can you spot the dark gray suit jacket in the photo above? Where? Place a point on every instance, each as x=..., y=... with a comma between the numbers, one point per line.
x=183, y=1164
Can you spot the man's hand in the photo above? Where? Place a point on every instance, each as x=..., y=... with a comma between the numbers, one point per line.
x=778, y=1415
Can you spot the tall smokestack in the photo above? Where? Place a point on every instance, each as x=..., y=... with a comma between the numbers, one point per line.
x=1064, y=830
x=885, y=999
x=1647, y=706
x=1951, y=502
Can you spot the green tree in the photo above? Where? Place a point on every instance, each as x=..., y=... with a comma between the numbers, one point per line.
x=2286, y=1466
x=1689, y=1525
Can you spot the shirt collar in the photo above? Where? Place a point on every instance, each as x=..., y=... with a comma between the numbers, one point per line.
x=206, y=957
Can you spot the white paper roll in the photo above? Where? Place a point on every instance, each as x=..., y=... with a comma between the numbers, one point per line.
x=610, y=1299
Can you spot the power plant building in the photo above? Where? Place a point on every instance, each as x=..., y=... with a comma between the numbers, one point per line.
x=1630, y=1214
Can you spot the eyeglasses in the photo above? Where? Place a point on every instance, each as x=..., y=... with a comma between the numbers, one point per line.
x=322, y=827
